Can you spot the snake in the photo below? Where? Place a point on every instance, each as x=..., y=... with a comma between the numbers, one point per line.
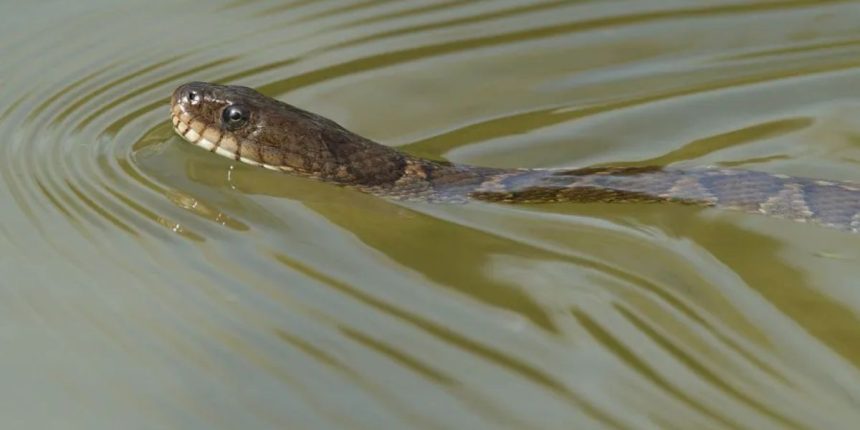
x=242, y=124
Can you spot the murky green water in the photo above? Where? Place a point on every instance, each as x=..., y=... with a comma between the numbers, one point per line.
x=148, y=284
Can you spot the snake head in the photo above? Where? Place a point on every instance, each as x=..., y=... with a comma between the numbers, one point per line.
x=232, y=121
x=240, y=123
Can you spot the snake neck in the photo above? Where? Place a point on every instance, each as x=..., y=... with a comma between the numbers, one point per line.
x=430, y=180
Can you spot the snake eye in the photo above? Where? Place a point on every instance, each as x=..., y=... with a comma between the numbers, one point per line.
x=194, y=97
x=234, y=116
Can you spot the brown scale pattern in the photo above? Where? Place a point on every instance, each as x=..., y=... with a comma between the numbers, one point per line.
x=828, y=203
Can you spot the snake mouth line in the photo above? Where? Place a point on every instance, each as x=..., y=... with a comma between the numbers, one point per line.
x=213, y=140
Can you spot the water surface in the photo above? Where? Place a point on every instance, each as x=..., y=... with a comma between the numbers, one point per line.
x=145, y=283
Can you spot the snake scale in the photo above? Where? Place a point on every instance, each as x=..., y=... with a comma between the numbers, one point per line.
x=244, y=125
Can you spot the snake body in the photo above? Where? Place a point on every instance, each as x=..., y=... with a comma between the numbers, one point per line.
x=244, y=125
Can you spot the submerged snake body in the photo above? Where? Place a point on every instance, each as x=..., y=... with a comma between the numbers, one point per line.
x=244, y=125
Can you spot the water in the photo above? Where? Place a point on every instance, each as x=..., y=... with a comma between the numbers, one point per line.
x=149, y=284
